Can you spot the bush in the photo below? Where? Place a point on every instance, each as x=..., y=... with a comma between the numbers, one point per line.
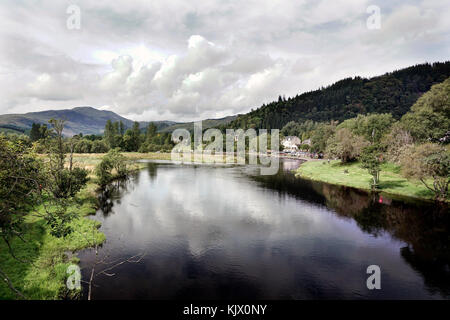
x=345, y=145
x=304, y=147
x=99, y=146
x=396, y=143
x=112, y=161
x=83, y=146
x=427, y=162
x=68, y=183
x=103, y=172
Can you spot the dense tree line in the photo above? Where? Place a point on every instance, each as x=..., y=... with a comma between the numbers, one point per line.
x=135, y=139
x=392, y=93
x=116, y=136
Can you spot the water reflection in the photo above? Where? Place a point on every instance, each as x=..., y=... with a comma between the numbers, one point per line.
x=224, y=232
x=423, y=226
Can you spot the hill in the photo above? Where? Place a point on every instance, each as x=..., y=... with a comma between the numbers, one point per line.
x=87, y=120
x=393, y=92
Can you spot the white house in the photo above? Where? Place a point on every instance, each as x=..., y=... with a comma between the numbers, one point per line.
x=291, y=142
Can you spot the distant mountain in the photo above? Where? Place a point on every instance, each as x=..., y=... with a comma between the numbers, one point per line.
x=88, y=120
x=393, y=92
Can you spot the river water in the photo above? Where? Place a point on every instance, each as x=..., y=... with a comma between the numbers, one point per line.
x=224, y=232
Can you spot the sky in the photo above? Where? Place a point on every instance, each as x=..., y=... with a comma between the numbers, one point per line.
x=190, y=60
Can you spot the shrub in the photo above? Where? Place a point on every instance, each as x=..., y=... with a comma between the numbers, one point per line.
x=112, y=161
x=345, y=145
x=68, y=183
x=396, y=143
x=427, y=162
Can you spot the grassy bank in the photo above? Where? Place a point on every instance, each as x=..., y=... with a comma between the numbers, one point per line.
x=391, y=180
x=42, y=275
x=90, y=160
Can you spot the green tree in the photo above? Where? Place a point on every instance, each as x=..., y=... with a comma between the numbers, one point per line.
x=63, y=182
x=371, y=159
x=84, y=146
x=345, y=145
x=99, y=146
x=121, y=128
x=109, y=134
x=151, y=131
x=20, y=187
x=321, y=135
x=112, y=166
x=35, y=133
x=372, y=126
x=429, y=118
x=430, y=164
x=132, y=138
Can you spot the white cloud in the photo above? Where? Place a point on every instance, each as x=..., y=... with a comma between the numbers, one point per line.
x=122, y=69
x=53, y=87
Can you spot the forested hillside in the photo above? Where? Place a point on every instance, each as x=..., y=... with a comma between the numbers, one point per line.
x=394, y=93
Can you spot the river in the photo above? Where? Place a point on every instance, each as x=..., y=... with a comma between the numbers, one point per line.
x=225, y=232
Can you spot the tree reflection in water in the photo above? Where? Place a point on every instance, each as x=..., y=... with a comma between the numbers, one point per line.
x=424, y=226
x=114, y=191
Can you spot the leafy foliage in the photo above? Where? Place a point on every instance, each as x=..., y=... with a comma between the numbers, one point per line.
x=429, y=161
x=429, y=118
x=396, y=142
x=63, y=182
x=38, y=132
x=320, y=136
x=302, y=130
x=113, y=160
x=372, y=126
x=345, y=145
x=371, y=159
x=20, y=183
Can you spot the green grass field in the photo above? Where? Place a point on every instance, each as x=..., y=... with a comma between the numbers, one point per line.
x=391, y=181
x=90, y=160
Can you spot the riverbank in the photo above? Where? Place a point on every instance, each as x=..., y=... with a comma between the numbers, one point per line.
x=42, y=272
x=391, y=181
x=90, y=160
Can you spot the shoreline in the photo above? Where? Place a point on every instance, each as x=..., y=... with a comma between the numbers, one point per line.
x=391, y=182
